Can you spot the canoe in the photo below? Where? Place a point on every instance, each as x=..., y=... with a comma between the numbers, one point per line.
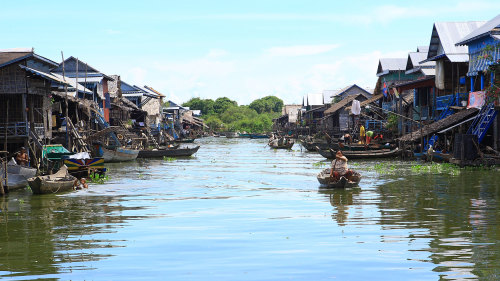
x=325, y=180
x=58, y=182
x=284, y=146
x=168, y=152
x=118, y=154
x=380, y=153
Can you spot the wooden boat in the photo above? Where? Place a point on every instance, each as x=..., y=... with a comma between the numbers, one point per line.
x=325, y=180
x=311, y=145
x=283, y=146
x=259, y=136
x=437, y=156
x=244, y=135
x=168, y=152
x=231, y=134
x=117, y=154
x=185, y=140
x=80, y=167
x=380, y=153
x=18, y=175
x=58, y=182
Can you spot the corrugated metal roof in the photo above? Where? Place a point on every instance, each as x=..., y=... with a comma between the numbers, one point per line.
x=428, y=71
x=423, y=49
x=72, y=82
x=483, y=30
x=313, y=99
x=446, y=34
x=393, y=63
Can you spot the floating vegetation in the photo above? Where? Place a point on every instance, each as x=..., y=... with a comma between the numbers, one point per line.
x=97, y=178
x=319, y=164
x=436, y=168
x=169, y=159
x=388, y=168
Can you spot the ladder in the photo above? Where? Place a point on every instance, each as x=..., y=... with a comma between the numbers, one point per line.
x=483, y=121
x=150, y=136
x=81, y=145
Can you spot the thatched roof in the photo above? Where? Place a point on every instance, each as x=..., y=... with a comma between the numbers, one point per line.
x=440, y=124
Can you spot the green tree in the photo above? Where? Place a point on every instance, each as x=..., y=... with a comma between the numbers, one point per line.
x=267, y=104
x=222, y=104
x=205, y=105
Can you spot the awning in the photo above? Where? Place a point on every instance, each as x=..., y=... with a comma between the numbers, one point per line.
x=480, y=61
x=56, y=78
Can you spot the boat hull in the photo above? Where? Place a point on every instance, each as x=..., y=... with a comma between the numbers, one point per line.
x=58, y=182
x=176, y=152
x=286, y=146
x=39, y=185
x=119, y=154
x=368, y=154
x=325, y=180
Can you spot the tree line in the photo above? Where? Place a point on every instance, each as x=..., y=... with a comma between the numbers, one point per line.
x=225, y=114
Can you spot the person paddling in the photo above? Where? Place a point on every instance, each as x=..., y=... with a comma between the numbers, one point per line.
x=339, y=167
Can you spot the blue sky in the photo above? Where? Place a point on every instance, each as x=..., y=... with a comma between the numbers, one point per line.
x=240, y=49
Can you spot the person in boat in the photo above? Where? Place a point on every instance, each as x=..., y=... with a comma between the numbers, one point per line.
x=339, y=167
x=348, y=139
x=362, y=133
x=22, y=157
x=369, y=135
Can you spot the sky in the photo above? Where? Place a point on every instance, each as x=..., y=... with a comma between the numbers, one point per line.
x=243, y=50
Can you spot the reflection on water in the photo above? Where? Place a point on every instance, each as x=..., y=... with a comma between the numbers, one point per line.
x=239, y=210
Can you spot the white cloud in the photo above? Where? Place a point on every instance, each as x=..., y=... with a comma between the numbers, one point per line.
x=300, y=50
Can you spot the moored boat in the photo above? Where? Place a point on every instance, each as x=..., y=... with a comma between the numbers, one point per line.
x=367, y=154
x=168, y=152
x=259, y=136
x=185, y=140
x=116, y=154
x=18, y=175
x=58, y=182
x=325, y=180
x=231, y=134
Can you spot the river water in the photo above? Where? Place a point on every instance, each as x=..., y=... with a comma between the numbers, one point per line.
x=241, y=211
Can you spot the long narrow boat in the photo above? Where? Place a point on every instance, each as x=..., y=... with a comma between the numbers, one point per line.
x=311, y=145
x=381, y=153
x=325, y=180
x=185, y=140
x=259, y=136
x=231, y=134
x=117, y=154
x=168, y=152
x=58, y=182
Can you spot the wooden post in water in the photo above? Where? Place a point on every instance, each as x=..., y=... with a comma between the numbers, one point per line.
x=4, y=187
x=65, y=101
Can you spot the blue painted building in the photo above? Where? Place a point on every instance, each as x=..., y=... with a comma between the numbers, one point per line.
x=484, y=50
